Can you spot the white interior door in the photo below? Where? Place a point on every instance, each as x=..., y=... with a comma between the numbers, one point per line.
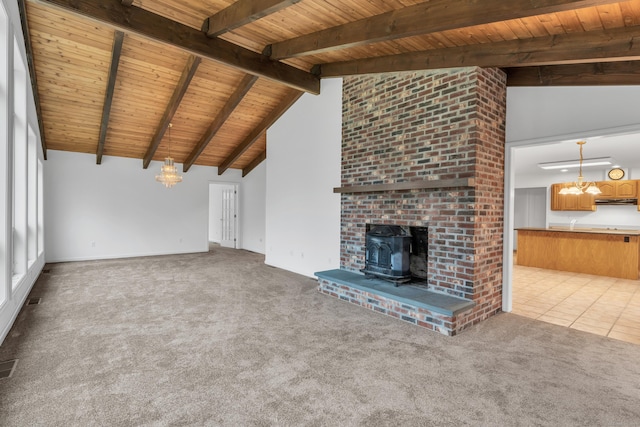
x=228, y=220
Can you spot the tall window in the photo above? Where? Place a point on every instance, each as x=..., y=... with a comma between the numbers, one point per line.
x=5, y=265
x=19, y=218
x=32, y=195
x=40, y=208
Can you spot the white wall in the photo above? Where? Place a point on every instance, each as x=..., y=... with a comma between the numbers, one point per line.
x=252, y=207
x=302, y=212
x=539, y=112
x=17, y=98
x=117, y=209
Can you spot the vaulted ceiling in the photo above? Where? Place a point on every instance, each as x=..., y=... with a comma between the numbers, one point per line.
x=112, y=75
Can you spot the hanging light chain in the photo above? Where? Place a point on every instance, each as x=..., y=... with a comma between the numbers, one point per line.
x=581, y=187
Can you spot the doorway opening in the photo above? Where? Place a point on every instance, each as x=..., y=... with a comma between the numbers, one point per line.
x=597, y=304
x=223, y=215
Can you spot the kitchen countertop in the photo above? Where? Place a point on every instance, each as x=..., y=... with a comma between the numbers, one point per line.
x=585, y=230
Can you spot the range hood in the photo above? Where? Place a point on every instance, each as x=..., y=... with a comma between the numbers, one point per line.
x=600, y=202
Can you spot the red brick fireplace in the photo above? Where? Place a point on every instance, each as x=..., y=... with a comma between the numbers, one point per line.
x=426, y=149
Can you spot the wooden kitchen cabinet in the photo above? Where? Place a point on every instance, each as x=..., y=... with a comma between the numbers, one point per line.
x=589, y=251
x=570, y=202
x=627, y=189
x=618, y=189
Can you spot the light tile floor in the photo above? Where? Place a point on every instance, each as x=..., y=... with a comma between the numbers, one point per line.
x=601, y=305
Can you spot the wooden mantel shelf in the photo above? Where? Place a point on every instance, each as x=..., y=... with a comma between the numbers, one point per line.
x=407, y=185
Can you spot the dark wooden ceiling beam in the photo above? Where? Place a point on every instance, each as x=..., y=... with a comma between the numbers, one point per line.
x=181, y=88
x=240, y=13
x=32, y=74
x=254, y=163
x=233, y=101
x=147, y=24
x=424, y=18
x=617, y=44
x=593, y=74
x=118, y=39
x=266, y=123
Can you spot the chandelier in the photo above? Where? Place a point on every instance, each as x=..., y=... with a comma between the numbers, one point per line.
x=168, y=172
x=581, y=187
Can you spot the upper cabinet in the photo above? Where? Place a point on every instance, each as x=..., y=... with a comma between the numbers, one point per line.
x=628, y=189
x=570, y=202
x=618, y=189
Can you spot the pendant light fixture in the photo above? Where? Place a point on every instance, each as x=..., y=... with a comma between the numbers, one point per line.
x=579, y=186
x=168, y=172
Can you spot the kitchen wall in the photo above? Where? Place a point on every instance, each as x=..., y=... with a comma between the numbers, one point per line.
x=605, y=216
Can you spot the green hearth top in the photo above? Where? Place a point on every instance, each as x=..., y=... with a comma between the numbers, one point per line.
x=418, y=297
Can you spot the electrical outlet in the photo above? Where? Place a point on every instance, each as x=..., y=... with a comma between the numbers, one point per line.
x=93, y=244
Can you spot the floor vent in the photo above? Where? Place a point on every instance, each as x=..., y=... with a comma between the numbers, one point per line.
x=46, y=270
x=7, y=368
x=34, y=301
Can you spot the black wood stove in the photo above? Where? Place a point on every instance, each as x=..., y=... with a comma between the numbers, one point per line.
x=388, y=249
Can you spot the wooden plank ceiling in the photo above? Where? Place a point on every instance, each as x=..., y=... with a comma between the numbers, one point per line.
x=111, y=75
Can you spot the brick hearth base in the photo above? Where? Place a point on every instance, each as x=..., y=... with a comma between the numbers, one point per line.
x=431, y=310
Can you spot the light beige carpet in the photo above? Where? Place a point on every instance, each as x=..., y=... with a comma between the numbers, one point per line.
x=222, y=339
